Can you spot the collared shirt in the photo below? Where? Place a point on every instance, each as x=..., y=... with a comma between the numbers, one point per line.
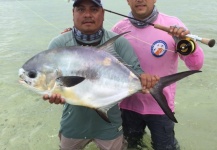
x=84, y=123
x=156, y=52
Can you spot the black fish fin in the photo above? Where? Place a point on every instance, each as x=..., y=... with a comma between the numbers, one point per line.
x=103, y=115
x=157, y=90
x=167, y=80
x=69, y=81
x=108, y=45
x=162, y=102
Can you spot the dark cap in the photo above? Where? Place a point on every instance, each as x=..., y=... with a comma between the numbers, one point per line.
x=97, y=2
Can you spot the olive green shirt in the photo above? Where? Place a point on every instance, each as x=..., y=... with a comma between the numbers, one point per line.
x=80, y=122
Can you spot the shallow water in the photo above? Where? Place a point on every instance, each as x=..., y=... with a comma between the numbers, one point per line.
x=27, y=26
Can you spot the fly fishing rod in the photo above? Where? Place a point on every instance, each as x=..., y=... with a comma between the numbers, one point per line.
x=209, y=42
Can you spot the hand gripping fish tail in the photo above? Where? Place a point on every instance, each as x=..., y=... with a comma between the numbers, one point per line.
x=157, y=93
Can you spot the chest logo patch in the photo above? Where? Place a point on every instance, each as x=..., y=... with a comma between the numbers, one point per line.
x=159, y=48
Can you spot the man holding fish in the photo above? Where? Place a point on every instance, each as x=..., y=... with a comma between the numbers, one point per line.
x=80, y=125
x=156, y=52
x=90, y=70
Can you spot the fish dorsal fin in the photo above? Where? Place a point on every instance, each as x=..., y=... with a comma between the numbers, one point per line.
x=69, y=81
x=108, y=45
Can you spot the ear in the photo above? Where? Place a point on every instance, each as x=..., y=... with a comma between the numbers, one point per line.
x=103, y=12
x=73, y=10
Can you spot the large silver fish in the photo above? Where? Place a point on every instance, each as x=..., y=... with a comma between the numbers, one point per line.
x=90, y=77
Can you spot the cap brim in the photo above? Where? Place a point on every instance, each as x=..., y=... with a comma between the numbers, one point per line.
x=76, y=3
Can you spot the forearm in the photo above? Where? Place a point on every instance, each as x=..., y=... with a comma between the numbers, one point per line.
x=195, y=60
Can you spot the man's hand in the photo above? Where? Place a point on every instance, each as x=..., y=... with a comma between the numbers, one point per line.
x=54, y=98
x=66, y=30
x=148, y=81
x=178, y=32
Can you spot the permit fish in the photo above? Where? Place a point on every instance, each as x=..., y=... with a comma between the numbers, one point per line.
x=90, y=76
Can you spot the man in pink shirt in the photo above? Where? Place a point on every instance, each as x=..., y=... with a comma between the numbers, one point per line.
x=156, y=52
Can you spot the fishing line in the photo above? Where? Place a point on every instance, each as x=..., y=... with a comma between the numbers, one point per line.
x=39, y=16
x=55, y=27
x=49, y=23
x=209, y=42
x=136, y=37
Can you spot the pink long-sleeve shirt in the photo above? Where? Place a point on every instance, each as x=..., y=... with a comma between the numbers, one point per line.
x=156, y=52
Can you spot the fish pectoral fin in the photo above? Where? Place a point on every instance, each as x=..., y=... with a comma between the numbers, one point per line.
x=103, y=115
x=70, y=81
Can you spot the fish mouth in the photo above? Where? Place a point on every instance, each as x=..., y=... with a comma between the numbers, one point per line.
x=27, y=84
x=24, y=82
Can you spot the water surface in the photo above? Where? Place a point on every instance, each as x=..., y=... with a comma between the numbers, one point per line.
x=27, y=26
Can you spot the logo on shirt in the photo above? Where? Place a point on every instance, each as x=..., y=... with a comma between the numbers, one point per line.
x=159, y=48
x=120, y=128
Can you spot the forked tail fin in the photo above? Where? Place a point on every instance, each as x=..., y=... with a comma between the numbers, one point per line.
x=157, y=90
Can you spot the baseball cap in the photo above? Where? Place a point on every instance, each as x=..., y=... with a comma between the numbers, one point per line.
x=97, y=2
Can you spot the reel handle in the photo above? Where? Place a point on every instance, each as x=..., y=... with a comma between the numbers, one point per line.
x=209, y=42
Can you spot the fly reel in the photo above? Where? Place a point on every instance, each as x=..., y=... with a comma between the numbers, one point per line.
x=186, y=46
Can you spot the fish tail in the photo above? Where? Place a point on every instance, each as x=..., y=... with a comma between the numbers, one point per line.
x=157, y=90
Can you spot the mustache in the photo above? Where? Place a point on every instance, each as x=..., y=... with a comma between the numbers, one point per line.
x=140, y=4
x=88, y=21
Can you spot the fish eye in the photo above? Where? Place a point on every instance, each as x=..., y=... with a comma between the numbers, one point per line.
x=32, y=74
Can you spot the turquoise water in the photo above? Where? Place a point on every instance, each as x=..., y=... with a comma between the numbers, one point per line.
x=27, y=26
